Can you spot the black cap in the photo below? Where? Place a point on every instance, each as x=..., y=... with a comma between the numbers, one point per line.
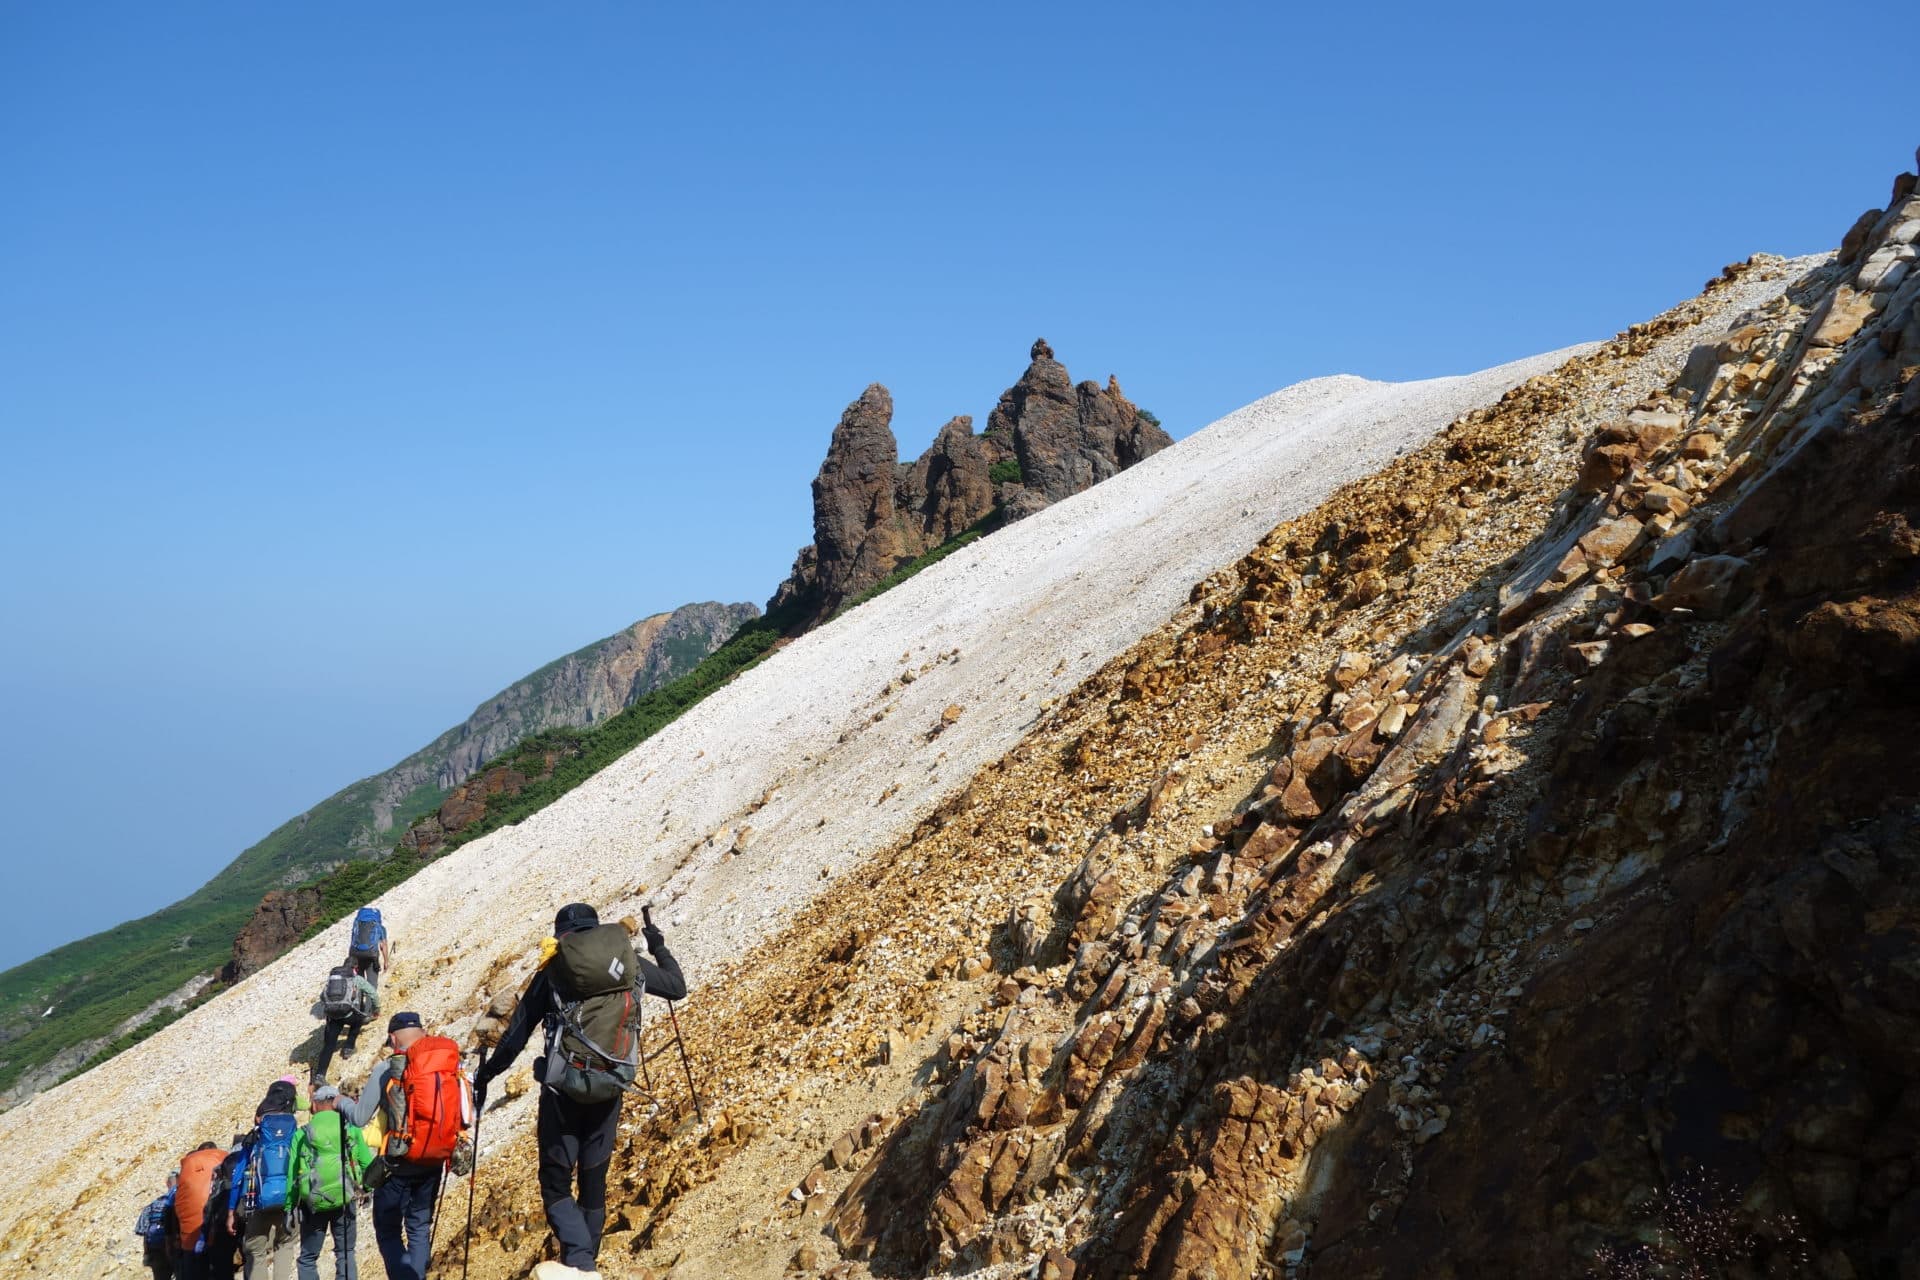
x=575, y=916
x=400, y=1020
x=279, y=1100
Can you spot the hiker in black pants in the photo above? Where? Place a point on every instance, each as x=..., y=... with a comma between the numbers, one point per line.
x=346, y=1013
x=586, y=997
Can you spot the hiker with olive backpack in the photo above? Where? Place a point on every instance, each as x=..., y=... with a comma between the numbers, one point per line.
x=586, y=996
x=330, y=1162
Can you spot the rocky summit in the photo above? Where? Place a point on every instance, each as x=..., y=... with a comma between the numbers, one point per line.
x=1046, y=439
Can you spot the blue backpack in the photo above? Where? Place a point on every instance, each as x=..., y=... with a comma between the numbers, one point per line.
x=364, y=944
x=152, y=1226
x=269, y=1161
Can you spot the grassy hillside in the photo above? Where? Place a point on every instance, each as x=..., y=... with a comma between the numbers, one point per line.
x=97, y=983
x=85, y=990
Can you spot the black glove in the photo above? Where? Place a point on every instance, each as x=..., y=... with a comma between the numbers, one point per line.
x=655, y=939
x=479, y=1096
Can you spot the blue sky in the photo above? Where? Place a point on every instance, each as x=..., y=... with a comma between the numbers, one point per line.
x=355, y=360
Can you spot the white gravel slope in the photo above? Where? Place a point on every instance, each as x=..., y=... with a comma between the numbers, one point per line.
x=1032, y=610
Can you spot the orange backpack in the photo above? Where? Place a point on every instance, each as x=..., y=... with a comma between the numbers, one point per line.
x=436, y=1103
x=190, y=1205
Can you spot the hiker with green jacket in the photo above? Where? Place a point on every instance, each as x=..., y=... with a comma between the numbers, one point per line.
x=330, y=1159
x=586, y=997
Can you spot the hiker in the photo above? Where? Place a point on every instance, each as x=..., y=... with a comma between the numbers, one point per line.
x=586, y=996
x=192, y=1207
x=367, y=944
x=302, y=1106
x=152, y=1230
x=222, y=1253
x=330, y=1160
x=427, y=1105
x=348, y=1002
x=257, y=1201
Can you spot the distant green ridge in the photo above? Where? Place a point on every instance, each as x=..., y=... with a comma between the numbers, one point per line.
x=93, y=986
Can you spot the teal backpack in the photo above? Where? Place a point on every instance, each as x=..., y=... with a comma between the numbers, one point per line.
x=337, y=1167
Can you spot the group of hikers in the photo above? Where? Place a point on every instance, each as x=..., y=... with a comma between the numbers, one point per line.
x=267, y=1205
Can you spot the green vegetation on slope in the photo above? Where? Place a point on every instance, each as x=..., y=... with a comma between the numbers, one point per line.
x=926, y=559
x=96, y=984
x=582, y=753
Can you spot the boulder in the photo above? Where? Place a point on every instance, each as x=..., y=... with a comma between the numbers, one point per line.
x=1709, y=586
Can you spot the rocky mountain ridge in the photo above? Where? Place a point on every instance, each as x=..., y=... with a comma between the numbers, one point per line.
x=1045, y=440
x=1513, y=846
x=1506, y=869
x=583, y=688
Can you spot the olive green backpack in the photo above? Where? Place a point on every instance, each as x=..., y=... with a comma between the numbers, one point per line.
x=596, y=1050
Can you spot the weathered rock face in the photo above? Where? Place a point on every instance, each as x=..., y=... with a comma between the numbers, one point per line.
x=1510, y=868
x=872, y=513
x=583, y=688
x=279, y=922
x=1591, y=907
x=466, y=804
x=1066, y=437
x=859, y=529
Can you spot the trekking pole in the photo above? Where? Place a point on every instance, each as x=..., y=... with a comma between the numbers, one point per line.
x=686, y=1062
x=473, y=1178
x=433, y=1223
x=646, y=914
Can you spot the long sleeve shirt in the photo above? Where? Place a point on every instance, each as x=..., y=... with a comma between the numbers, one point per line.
x=360, y=1111
x=657, y=977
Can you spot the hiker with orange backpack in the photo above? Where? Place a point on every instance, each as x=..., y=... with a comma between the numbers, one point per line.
x=586, y=996
x=192, y=1210
x=427, y=1105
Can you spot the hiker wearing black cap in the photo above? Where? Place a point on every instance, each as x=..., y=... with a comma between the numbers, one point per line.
x=257, y=1199
x=586, y=996
x=419, y=1141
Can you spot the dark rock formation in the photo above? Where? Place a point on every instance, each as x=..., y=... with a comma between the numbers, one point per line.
x=1066, y=437
x=279, y=922
x=466, y=804
x=872, y=513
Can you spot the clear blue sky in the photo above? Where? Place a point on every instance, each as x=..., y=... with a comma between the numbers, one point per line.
x=356, y=359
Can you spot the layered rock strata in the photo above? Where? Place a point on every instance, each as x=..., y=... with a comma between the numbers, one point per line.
x=1501, y=864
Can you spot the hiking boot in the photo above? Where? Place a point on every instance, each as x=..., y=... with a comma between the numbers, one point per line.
x=561, y=1271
